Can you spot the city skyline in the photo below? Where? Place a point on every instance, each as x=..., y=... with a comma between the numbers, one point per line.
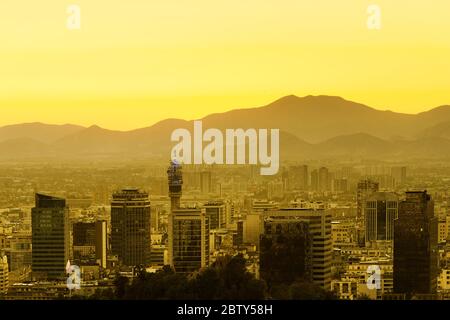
x=194, y=222
x=251, y=151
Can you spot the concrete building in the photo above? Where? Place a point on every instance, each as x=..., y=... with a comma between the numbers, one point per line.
x=188, y=240
x=343, y=234
x=345, y=289
x=188, y=228
x=444, y=281
x=215, y=211
x=20, y=254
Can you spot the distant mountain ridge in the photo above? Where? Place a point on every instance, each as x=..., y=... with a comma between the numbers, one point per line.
x=312, y=126
x=46, y=133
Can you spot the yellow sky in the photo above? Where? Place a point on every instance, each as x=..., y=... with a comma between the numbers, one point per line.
x=136, y=62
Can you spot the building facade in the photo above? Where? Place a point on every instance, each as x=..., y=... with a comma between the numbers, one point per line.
x=90, y=243
x=380, y=210
x=50, y=238
x=319, y=226
x=415, y=246
x=4, y=272
x=188, y=240
x=215, y=210
x=130, y=227
x=285, y=251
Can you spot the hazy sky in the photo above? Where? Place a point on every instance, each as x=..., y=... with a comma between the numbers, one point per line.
x=136, y=62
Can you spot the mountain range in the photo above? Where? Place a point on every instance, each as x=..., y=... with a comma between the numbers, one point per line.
x=310, y=127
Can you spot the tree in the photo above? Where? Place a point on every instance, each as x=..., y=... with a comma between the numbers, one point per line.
x=301, y=289
x=226, y=279
x=121, y=284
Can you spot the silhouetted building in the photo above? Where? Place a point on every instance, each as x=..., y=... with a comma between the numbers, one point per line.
x=319, y=226
x=381, y=209
x=50, y=238
x=415, y=246
x=89, y=243
x=130, y=227
x=285, y=251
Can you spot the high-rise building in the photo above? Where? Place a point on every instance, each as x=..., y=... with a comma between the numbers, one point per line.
x=215, y=211
x=319, y=226
x=188, y=240
x=285, y=251
x=50, y=238
x=239, y=236
x=101, y=242
x=340, y=185
x=205, y=182
x=175, y=176
x=4, y=273
x=188, y=229
x=324, y=179
x=154, y=217
x=381, y=209
x=158, y=255
x=365, y=188
x=130, y=227
x=399, y=175
x=89, y=243
x=252, y=228
x=315, y=180
x=415, y=246
x=298, y=177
